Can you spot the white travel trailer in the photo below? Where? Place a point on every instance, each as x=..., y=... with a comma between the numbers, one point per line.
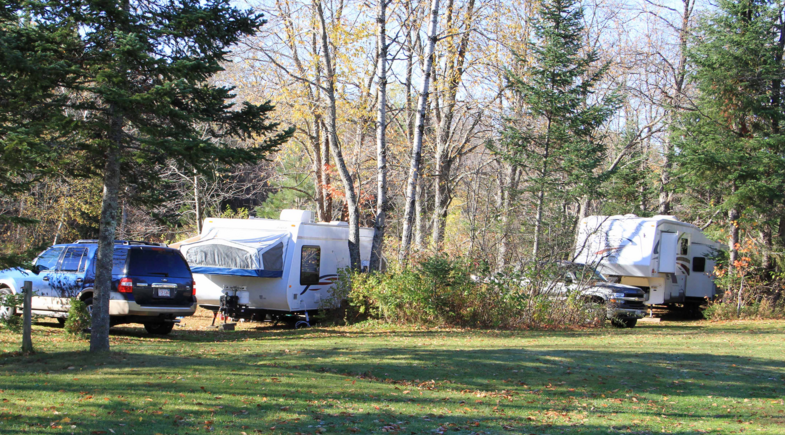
x=670, y=260
x=264, y=268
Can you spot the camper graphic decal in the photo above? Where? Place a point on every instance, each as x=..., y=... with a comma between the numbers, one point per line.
x=614, y=246
x=323, y=280
x=684, y=264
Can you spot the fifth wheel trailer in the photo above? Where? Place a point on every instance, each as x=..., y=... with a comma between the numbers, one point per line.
x=266, y=268
x=670, y=260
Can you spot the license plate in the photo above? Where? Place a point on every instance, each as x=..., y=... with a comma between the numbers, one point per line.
x=164, y=293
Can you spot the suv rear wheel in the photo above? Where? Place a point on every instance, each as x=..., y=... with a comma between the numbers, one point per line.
x=159, y=328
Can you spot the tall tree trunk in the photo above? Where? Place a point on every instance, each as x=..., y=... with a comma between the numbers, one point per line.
x=781, y=230
x=441, y=200
x=197, y=204
x=768, y=248
x=454, y=68
x=422, y=105
x=99, y=328
x=316, y=146
x=733, y=217
x=409, y=50
x=335, y=147
x=381, y=142
x=541, y=193
x=419, y=214
x=508, y=187
x=538, y=222
x=326, y=179
x=675, y=101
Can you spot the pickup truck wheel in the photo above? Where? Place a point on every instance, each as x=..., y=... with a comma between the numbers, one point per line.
x=5, y=312
x=624, y=322
x=159, y=328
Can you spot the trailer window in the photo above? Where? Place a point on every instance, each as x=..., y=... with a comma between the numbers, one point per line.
x=684, y=246
x=309, y=265
x=698, y=264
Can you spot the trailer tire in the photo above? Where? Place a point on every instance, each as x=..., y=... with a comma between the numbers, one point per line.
x=301, y=324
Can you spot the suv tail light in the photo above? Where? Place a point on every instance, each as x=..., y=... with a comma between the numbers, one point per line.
x=126, y=285
x=193, y=288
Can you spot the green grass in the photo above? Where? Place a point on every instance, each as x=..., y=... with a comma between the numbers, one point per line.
x=689, y=378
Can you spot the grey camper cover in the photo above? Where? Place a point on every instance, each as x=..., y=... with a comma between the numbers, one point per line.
x=234, y=253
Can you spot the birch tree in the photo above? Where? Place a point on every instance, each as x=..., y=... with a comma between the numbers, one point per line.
x=381, y=139
x=416, y=156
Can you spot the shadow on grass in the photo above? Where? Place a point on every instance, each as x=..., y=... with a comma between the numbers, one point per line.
x=286, y=396
x=310, y=380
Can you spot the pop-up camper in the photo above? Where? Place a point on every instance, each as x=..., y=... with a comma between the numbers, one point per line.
x=266, y=268
x=670, y=260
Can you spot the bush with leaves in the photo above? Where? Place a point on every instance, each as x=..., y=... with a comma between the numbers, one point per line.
x=10, y=303
x=748, y=290
x=441, y=290
x=78, y=317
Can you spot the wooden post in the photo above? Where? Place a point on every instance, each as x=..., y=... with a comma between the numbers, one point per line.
x=27, y=325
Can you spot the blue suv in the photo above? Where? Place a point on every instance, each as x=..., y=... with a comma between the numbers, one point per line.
x=151, y=284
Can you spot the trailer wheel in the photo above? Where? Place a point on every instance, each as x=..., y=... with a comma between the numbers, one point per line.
x=301, y=324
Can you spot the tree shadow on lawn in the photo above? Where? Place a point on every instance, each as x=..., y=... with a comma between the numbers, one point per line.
x=260, y=395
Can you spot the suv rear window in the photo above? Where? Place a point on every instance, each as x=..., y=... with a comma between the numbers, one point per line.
x=158, y=262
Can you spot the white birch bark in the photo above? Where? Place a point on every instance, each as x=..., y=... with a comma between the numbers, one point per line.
x=381, y=141
x=422, y=104
x=335, y=148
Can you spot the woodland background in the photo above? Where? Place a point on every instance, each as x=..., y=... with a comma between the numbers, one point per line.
x=319, y=63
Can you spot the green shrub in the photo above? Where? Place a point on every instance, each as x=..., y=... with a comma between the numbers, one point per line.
x=78, y=317
x=12, y=301
x=748, y=295
x=441, y=290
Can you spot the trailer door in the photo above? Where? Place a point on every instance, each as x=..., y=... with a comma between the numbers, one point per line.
x=668, y=246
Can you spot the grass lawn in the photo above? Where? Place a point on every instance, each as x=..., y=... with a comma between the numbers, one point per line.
x=672, y=377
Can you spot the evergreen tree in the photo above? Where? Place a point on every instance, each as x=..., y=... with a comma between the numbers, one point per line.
x=33, y=125
x=731, y=138
x=555, y=140
x=143, y=82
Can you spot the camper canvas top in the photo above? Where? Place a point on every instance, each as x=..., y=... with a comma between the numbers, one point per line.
x=628, y=244
x=254, y=247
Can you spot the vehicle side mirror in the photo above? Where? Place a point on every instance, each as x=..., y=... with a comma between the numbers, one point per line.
x=36, y=269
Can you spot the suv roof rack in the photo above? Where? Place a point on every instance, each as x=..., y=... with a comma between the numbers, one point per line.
x=124, y=242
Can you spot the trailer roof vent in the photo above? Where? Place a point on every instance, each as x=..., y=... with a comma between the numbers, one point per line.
x=292, y=215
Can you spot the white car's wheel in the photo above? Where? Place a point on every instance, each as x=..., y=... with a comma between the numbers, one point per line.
x=5, y=312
